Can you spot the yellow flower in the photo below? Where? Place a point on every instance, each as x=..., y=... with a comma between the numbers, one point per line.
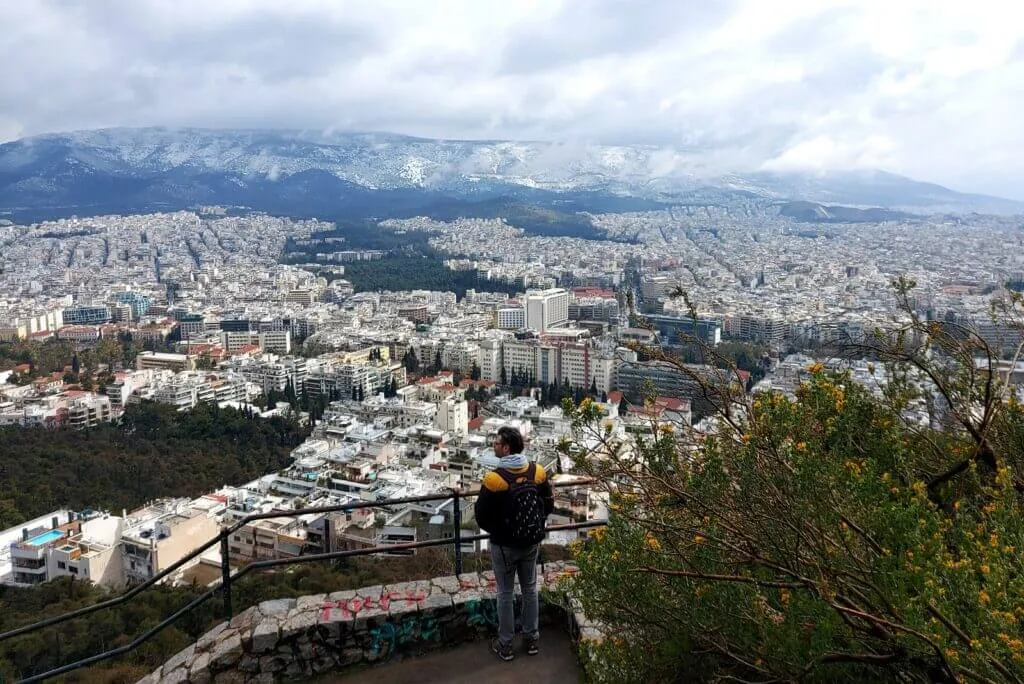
x=984, y=569
x=815, y=368
x=745, y=438
x=952, y=654
x=697, y=539
x=983, y=597
x=801, y=446
x=652, y=543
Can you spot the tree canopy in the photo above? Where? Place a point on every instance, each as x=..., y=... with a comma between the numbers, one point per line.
x=155, y=451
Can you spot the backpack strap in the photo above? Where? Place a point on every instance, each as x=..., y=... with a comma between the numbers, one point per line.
x=511, y=478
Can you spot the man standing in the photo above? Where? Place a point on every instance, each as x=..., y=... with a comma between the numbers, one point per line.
x=514, y=502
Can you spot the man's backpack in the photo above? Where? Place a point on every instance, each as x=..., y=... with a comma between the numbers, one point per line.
x=524, y=516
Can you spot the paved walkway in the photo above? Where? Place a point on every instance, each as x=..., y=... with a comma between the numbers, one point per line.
x=473, y=663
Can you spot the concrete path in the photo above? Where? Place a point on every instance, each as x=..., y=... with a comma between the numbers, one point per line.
x=474, y=662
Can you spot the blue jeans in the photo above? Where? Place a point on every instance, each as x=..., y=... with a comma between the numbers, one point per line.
x=508, y=561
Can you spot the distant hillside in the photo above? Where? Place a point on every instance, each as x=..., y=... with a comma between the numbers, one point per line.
x=361, y=175
x=812, y=212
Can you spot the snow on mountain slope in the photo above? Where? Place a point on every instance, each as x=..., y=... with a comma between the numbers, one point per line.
x=52, y=168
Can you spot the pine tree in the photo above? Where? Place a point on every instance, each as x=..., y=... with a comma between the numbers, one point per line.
x=474, y=374
x=593, y=387
x=623, y=407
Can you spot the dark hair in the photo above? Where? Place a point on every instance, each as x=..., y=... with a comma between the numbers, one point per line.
x=511, y=437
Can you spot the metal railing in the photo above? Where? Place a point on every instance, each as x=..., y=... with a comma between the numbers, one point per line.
x=227, y=578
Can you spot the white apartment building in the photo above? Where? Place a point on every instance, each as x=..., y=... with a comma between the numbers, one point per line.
x=546, y=308
x=79, y=333
x=512, y=318
x=491, y=360
x=159, y=360
x=88, y=410
x=453, y=416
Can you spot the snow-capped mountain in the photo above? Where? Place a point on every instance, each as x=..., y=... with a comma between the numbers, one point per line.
x=156, y=167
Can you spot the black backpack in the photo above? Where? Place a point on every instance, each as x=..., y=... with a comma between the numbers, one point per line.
x=524, y=515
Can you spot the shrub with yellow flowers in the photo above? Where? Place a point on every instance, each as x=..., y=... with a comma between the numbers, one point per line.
x=816, y=538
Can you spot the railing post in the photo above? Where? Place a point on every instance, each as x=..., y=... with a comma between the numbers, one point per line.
x=225, y=574
x=457, y=522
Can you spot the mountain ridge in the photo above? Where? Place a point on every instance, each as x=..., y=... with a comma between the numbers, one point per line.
x=156, y=166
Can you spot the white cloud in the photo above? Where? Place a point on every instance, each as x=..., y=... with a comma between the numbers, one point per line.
x=932, y=89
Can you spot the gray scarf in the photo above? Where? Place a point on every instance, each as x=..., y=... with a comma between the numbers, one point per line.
x=513, y=461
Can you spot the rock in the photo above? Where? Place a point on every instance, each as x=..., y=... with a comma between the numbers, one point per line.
x=371, y=593
x=179, y=659
x=277, y=606
x=262, y=678
x=249, y=664
x=265, y=635
x=210, y=637
x=200, y=669
x=298, y=621
x=229, y=677
x=436, y=602
x=335, y=596
x=323, y=664
x=244, y=620
x=449, y=585
x=311, y=601
x=177, y=675
x=226, y=653
x=273, y=663
x=470, y=580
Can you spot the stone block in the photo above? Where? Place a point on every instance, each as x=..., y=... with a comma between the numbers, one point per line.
x=249, y=664
x=469, y=580
x=178, y=675
x=229, y=677
x=310, y=602
x=200, y=669
x=449, y=584
x=277, y=606
x=436, y=602
x=227, y=652
x=273, y=663
x=341, y=595
x=180, y=658
x=265, y=635
x=210, y=637
x=371, y=593
x=323, y=664
x=262, y=678
x=298, y=621
x=243, y=621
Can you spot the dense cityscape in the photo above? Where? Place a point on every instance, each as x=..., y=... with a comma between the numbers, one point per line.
x=402, y=391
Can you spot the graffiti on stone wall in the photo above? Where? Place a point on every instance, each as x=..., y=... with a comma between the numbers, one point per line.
x=390, y=637
x=482, y=613
x=348, y=609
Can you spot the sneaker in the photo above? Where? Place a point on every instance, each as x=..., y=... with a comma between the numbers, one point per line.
x=532, y=647
x=503, y=652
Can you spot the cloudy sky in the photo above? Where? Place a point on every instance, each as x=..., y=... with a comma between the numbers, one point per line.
x=930, y=88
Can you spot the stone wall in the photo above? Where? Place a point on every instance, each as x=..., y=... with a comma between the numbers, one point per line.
x=297, y=638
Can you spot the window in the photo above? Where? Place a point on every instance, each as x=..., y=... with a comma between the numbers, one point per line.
x=74, y=570
x=61, y=565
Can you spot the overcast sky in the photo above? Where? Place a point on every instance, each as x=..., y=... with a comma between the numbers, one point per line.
x=930, y=88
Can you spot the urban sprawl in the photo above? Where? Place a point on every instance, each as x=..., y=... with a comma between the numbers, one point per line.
x=404, y=390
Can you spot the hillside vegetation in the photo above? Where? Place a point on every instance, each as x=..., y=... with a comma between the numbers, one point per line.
x=154, y=452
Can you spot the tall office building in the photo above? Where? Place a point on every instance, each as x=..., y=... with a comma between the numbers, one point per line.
x=546, y=308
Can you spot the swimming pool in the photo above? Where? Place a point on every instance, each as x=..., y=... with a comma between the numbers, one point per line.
x=45, y=538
